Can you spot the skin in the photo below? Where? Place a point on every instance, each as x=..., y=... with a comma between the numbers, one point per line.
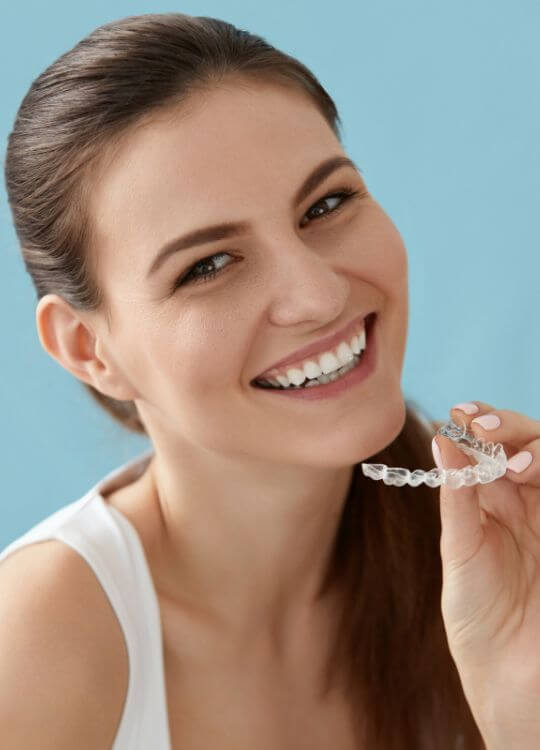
x=490, y=550
x=240, y=505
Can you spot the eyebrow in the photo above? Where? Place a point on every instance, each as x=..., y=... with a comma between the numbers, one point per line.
x=231, y=229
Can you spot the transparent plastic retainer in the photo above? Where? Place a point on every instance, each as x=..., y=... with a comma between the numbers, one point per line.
x=492, y=462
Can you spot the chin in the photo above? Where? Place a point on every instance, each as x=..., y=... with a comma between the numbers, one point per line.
x=355, y=441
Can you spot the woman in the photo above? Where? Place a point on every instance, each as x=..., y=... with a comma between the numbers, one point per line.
x=297, y=603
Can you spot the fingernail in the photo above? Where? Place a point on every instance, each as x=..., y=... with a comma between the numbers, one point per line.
x=520, y=461
x=467, y=407
x=436, y=454
x=488, y=421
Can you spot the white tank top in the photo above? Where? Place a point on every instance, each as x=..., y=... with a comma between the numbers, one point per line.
x=111, y=546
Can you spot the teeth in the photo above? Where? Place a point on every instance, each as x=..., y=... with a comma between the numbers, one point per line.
x=322, y=368
x=328, y=362
x=312, y=369
x=296, y=377
x=344, y=353
x=359, y=342
x=321, y=380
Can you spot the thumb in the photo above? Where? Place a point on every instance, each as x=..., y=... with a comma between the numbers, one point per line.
x=461, y=515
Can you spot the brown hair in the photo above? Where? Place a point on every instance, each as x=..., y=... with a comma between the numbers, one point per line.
x=386, y=561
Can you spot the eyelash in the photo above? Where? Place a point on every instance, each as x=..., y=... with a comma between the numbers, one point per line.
x=345, y=193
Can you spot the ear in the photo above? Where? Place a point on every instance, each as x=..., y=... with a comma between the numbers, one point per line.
x=70, y=339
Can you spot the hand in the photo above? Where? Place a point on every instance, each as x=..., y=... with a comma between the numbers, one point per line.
x=490, y=550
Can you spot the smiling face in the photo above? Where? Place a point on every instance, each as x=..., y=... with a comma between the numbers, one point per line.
x=298, y=273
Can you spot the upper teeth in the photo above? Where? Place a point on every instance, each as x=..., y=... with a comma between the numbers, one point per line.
x=323, y=363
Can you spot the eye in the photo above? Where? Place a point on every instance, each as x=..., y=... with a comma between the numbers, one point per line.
x=343, y=194
x=191, y=277
x=207, y=262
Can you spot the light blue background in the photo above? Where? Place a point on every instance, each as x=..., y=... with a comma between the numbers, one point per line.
x=441, y=110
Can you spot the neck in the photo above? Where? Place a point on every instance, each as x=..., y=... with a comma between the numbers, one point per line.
x=247, y=550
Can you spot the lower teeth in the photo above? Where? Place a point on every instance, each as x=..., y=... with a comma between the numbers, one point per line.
x=322, y=379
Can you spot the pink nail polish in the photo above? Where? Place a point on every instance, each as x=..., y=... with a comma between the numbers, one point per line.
x=520, y=461
x=467, y=407
x=488, y=421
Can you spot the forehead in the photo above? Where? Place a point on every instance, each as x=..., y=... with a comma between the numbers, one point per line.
x=217, y=158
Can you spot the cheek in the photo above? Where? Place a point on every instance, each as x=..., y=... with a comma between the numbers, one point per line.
x=375, y=231
x=389, y=244
x=378, y=254
x=393, y=261
x=382, y=261
x=206, y=359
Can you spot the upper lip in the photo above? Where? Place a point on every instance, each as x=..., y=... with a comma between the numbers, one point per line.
x=322, y=345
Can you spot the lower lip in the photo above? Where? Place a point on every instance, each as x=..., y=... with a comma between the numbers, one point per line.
x=355, y=376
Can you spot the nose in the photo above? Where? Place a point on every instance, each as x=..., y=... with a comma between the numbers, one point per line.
x=307, y=284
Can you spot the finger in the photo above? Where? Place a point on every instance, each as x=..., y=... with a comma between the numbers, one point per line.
x=461, y=516
x=511, y=428
x=466, y=414
x=524, y=466
x=517, y=432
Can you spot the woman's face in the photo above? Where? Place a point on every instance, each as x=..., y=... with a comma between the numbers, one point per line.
x=187, y=355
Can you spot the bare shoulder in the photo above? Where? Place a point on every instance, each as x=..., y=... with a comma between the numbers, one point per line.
x=64, y=673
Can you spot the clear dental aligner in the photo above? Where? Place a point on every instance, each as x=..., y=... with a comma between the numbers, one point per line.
x=491, y=464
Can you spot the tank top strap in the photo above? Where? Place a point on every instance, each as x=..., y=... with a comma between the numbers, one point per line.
x=111, y=546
